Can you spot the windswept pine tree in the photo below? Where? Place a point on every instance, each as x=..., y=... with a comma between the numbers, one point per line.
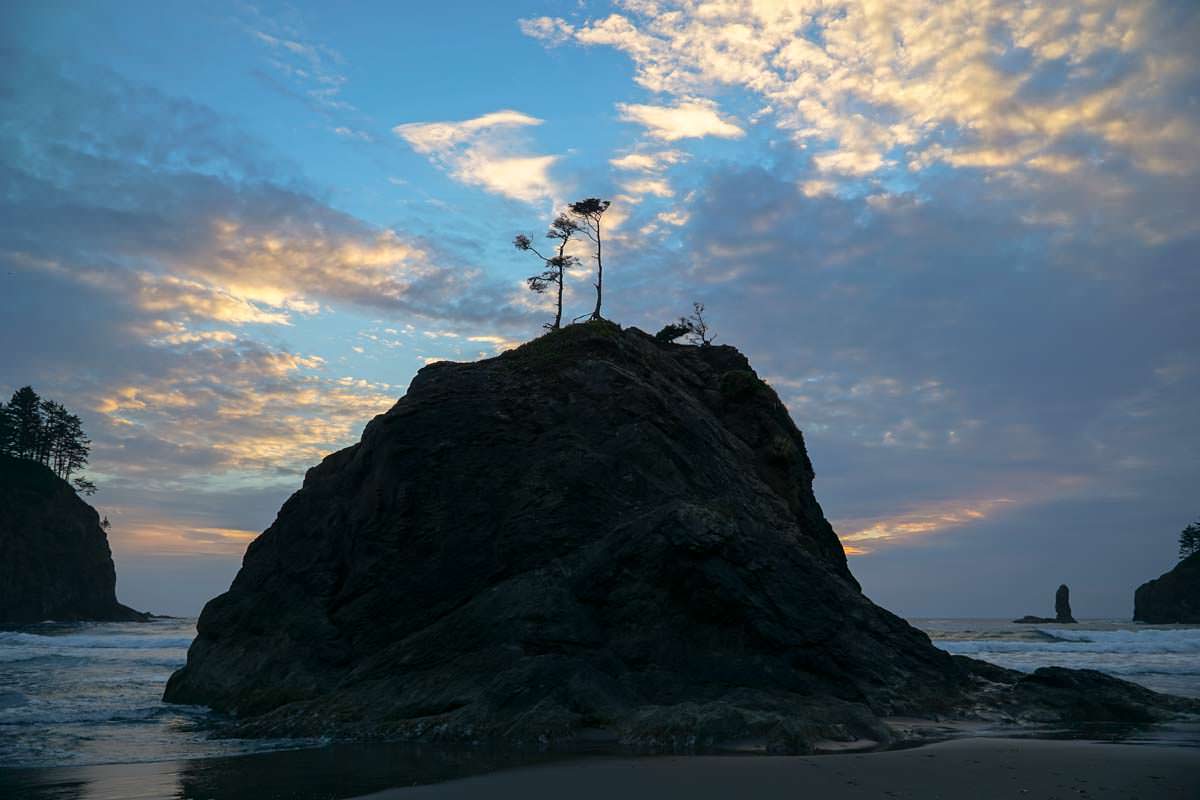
x=561, y=230
x=46, y=432
x=697, y=327
x=589, y=212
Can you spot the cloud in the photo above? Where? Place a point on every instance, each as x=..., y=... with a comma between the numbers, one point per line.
x=167, y=203
x=438, y=138
x=481, y=152
x=547, y=29
x=350, y=133
x=954, y=362
x=173, y=255
x=864, y=537
x=867, y=87
x=311, y=68
x=688, y=119
x=648, y=161
x=654, y=186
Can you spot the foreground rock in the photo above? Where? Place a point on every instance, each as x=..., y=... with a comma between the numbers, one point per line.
x=1058, y=696
x=593, y=535
x=1173, y=597
x=54, y=558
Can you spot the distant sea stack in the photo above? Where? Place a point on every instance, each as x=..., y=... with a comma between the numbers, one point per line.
x=1062, y=604
x=55, y=563
x=1062, y=610
x=595, y=535
x=1173, y=597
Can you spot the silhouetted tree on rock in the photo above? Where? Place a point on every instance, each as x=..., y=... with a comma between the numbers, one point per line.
x=8, y=431
x=46, y=432
x=25, y=408
x=589, y=212
x=694, y=327
x=1189, y=540
x=698, y=331
x=561, y=230
x=672, y=331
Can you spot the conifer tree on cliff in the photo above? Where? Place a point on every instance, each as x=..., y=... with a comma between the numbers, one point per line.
x=46, y=432
x=561, y=230
x=8, y=432
x=589, y=212
x=25, y=407
x=1189, y=540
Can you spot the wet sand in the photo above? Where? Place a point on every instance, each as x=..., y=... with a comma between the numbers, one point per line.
x=970, y=768
x=976, y=769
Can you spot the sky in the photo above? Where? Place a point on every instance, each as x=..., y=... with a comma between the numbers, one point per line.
x=961, y=239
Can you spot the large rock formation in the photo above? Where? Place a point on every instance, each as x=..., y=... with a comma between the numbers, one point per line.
x=54, y=558
x=595, y=534
x=1172, y=597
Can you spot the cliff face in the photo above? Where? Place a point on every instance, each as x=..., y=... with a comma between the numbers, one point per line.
x=54, y=557
x=593, y=534
x=1172, y=597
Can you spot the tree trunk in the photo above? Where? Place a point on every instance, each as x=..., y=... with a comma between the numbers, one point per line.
x=558, y=310
x=599, y=273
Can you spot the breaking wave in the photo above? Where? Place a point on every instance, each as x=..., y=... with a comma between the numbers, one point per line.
x=1166, y=659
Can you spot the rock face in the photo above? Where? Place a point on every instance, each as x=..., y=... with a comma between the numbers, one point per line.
x=1062, y=604
x=1173, y=597
x=54, y=558
x=1058, y=696
x=595, y=534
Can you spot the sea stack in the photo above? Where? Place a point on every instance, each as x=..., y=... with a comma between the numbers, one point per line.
x=596, y=535
x=55, y=563
x=1173, y=597
x=1062, y=605
x=1062, y=610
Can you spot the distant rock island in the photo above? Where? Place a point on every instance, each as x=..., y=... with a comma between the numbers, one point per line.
x=1062, y=610
x=1173, y=597
x=596, y=535
x=55, y=563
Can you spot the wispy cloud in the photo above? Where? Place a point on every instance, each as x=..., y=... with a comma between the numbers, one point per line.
x=688, y=119
x=862, y=537
x=311, y=67
x=483, y=152
x=652, y=161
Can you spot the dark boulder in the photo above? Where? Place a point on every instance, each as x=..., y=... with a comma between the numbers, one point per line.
x=1054, y=695
x=54, y=558
x=596, y=534
x=1173, y=597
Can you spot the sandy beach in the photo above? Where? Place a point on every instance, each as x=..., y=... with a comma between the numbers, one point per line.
x=981, y=769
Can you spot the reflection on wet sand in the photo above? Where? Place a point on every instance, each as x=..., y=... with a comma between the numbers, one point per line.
x=338, y=770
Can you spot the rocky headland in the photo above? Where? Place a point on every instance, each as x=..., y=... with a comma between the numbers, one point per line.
x=596, y=535
x=1173, y=597
x=55, y=563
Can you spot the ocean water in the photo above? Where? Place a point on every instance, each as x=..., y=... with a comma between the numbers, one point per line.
x=81, y=714
x=1165, y=658
x=91, y=693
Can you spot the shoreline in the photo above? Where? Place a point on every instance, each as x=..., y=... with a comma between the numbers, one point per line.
x=983, y=766
x=984, y=769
